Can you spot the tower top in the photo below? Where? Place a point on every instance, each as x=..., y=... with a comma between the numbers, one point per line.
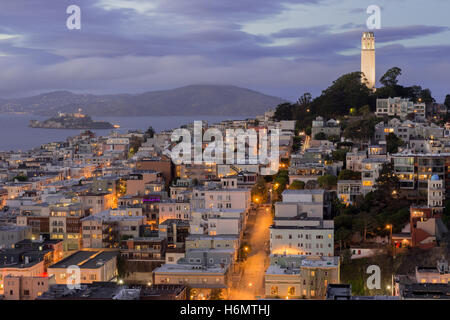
x=368, y=35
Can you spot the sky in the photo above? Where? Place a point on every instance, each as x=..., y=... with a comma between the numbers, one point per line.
x=279, y=47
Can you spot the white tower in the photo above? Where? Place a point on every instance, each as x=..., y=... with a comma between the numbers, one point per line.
x=436, y=192
x=368, y=59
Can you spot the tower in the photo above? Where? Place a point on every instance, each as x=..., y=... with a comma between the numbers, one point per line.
x=436, y=191
x=368, y=59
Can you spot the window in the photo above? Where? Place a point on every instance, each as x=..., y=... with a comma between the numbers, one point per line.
x=291, y=291
x=274, y=290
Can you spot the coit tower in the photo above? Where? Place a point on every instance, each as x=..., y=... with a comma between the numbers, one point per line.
x=368, y=59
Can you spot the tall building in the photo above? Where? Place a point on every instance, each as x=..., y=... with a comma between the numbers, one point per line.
x=368, y=58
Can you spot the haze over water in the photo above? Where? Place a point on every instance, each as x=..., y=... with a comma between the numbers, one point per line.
x=16, y=135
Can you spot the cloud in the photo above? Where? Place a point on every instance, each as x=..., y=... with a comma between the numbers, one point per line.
x=135, y=46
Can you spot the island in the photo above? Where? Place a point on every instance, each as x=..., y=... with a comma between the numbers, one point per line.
x=71, y=121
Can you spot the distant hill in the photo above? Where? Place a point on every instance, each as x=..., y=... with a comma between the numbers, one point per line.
x=185, y=101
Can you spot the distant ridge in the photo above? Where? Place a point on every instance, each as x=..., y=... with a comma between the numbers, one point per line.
x=220, y=100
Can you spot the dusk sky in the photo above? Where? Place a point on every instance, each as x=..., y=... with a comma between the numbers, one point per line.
x=282, y=48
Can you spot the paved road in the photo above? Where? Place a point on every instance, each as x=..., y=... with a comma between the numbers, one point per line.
x=251, y=283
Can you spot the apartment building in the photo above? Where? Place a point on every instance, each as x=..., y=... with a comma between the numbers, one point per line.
x=300, y=277
x=400, y=107
x=238, y=199
x=296, y=232
x=349, y=190
x=93, y=266
x=104, y=230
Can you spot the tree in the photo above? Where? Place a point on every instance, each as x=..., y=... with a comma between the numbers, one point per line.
x=150, y=132
x=21, y=178
x=311, y=184
x=426, y=96
x=327, y=181
x=364, y=110
x=339, y=155
x=284, y=111
x=320, y=136
x=447, y=101
x=361, y=130
x=333, y=138
x=296, y=143
x=297, y=185
x=393, y=143
x=281, y=179
x=347, y=174
x=389, y=79
x=259, y=190
x=388, y=183
x=305, y=99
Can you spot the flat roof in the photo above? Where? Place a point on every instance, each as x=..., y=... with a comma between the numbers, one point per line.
x=85, y=259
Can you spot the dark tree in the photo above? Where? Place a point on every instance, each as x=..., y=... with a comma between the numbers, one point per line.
x=297, y=185
x=393, y=143
x=447, y=101
x=150, y=132
x=389, y=79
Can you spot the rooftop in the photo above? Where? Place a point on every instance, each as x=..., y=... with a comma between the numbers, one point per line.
x=86, y=259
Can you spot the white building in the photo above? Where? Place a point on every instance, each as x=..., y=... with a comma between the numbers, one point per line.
x=299, y=228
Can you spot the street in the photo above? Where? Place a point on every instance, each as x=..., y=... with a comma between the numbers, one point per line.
x=251, y=284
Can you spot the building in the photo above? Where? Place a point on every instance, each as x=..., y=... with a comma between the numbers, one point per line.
x=104, y=230
x=438, y=274
x=143, y=254
x=25, y=264
x=25, y=287
x=11, y=234
x=94, y=265
x=329, y=128
x=112, y=291
x=300, y=277
x=237, y=198
x=371, y=169
x=436, y=192
x=202, y=279
x=161, y=164
x=400, y=107
x=368, y=59
x=299, y=228
x=349, y=190
x=344, y=292
x=426, y=227
x=414, y=171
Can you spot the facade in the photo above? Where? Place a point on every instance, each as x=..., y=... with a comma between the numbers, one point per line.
x=300, y=277
x=25, y=287
x=93, y=265
x=349, y=190
x=104, y=230
x=329, y=128
x=238, y=199
x=400, y=107
x=11, y=234
x=298, y=232
x=414, y=171
x=371, y=169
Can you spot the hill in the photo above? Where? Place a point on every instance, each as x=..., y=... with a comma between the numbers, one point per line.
x=185, y=101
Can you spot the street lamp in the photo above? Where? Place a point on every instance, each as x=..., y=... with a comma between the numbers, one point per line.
x=389, y=226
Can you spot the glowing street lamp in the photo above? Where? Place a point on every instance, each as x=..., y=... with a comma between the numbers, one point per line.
x=389, y=226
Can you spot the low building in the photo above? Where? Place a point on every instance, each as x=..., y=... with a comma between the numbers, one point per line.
x=300, y=277
x=94, y=265
x=10, y=234
x=349, y=190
